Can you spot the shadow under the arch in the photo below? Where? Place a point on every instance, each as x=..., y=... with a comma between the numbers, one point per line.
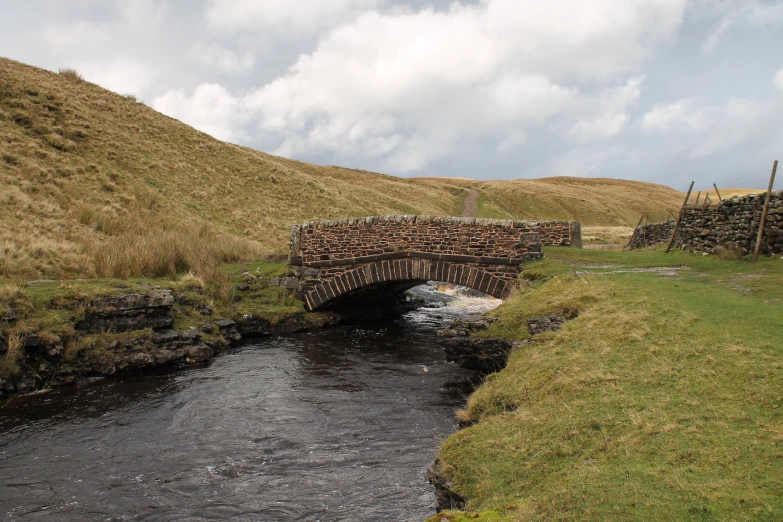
x=375, y=301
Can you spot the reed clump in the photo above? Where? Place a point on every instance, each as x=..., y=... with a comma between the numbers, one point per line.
x=165, y=252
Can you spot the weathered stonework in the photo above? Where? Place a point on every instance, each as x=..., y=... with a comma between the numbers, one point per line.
x=128, y=312
x=734, y=222
x=651, y=234
x=332, y=258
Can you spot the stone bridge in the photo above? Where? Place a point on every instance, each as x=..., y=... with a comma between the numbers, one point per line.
x=346, y=259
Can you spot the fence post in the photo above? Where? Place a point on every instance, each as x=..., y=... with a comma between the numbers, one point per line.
x=679, y=218
x=634, y=233
x=716, y=191
x=764, y=211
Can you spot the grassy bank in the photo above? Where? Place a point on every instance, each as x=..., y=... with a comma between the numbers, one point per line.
x=660, y=400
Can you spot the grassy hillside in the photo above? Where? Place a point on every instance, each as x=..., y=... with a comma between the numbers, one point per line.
x=82, y=167
x=93, y=183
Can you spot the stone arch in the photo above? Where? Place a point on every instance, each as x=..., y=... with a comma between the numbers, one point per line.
x=367, y=274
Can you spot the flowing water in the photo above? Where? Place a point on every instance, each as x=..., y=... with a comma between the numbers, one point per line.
x=335, y=424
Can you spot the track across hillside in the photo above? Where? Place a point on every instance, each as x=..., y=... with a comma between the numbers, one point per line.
x=470, y=205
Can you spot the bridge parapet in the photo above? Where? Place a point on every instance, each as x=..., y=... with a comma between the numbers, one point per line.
x=339, y=256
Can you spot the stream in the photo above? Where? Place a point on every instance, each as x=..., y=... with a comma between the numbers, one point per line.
x=334, y=424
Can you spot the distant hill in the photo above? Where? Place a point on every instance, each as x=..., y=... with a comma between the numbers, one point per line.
x=592, y=201
x=95, y=183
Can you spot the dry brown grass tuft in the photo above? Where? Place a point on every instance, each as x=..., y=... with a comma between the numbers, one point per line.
x=9, y=291
x=9, y=363
x=728, y=252
x=167, y=252
x=70, y=74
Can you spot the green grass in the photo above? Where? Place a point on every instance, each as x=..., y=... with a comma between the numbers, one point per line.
x=660, y=401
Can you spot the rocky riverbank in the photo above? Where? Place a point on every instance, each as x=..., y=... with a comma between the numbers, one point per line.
x=128, y=333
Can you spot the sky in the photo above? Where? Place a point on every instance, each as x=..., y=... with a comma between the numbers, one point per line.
x=666, y=91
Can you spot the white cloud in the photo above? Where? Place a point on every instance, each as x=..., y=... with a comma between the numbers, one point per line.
x=121, y=76
x=716, y=130
x=211, y=109
x=747, y=13
x=142, y=12
x=217, y=57
x=778, y=79
x=299, y=16
x=583, y=161
x=736, y=122
x=405, y=88
x=511, y=142
x=421, y=84
x=679, y=116
x=609, y=110
x=63, y=37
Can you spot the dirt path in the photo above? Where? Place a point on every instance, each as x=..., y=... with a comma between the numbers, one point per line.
x=470, y=205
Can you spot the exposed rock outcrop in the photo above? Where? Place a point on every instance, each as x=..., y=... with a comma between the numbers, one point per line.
x=480, y=354
x=130, y=333
x=547, y=323
x=128, y=312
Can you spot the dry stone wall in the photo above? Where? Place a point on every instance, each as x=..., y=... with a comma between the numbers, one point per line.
x=734, y=221
x=651, y=234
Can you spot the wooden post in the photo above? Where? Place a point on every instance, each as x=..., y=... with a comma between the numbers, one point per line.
x=716, y=191
x=634, y=232
x=679, y=218
x=764, y=211
x=670, y=213
x=698, y=196
x=707, y=200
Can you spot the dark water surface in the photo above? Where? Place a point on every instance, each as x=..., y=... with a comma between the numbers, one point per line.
x=336, y=424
